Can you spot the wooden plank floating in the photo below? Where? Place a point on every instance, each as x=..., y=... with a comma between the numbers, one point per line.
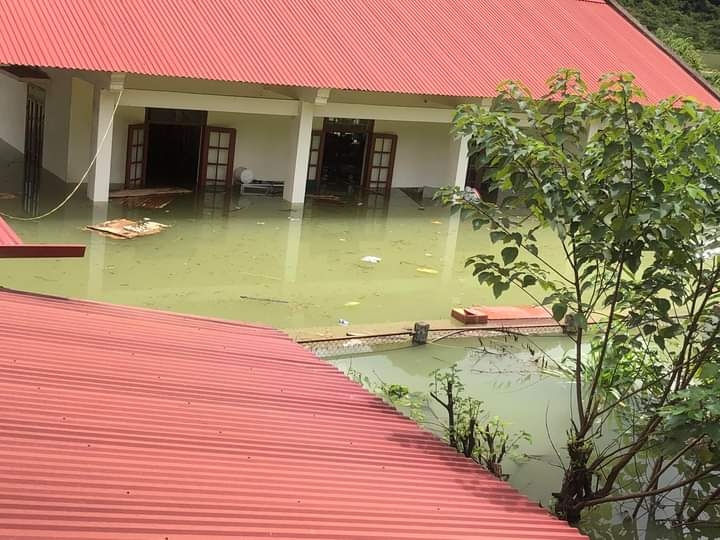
x=147, y=192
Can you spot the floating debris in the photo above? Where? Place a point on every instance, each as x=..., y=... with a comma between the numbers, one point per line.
x=436, y=222
x=351, y=304
x=425, y=270
x=7, y=196
x=343, y=322
x=259, y=299
x=125, y=229
x=372, y=259
x=146, y=192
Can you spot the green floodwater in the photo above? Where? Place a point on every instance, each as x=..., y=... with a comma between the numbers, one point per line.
x=264, y=262
x=503, y=373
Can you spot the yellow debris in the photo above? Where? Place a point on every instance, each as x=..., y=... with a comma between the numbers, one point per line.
x=351, y=304
x=425, y=270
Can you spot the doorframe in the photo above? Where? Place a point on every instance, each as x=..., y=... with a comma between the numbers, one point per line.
x=368, y=129
x=148, y=121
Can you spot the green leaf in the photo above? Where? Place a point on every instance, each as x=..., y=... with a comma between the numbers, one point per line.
x=500, y=287
x=509, y=254
x=529, y=281
x=497, y=236
x=559, y=311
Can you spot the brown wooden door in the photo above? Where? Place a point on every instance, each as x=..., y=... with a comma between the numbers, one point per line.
x=381, y=160
x=135, y=161
x=316, y=155
x=218, y=154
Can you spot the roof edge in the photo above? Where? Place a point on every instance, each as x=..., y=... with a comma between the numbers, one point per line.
x=667, y=50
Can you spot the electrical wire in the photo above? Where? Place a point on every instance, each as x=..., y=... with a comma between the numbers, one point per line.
x=82, y=178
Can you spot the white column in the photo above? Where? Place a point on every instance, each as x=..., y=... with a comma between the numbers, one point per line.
x=99, y=182
x=294, y=191
x=458, y=161
x=80, y=141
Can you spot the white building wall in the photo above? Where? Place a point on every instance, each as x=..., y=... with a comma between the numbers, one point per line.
x=57, y=122
x=263, y=143
x=422, y=153
x=12, y=112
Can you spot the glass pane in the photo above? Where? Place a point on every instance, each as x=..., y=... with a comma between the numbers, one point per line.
x=221, y=172
x=315, y=144
x=313, y=157
x=135, y=136
x=385, y=160
x=137, y=153
x=378, y=145
x=141, y=135
x=376, y=159
x=312, y=171
x=213, y=155
x=214, y=138
x=387, y=145
x=222, y=157
x=383, y=175
x=224, y=140
x=374, y=175
x=211, y=172
x=137, y=171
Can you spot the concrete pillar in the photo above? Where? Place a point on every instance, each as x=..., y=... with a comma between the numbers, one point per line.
x=81, y=128
x=294, y=191
x=458, y=161
x=99, y=182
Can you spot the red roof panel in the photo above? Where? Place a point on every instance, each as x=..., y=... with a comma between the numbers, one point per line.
x=443, y=47
x=125, y=424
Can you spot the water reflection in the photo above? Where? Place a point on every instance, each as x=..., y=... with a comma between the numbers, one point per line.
x=218, y=257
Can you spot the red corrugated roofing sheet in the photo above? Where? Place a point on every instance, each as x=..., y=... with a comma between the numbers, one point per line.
x=445, y=47
x=12, y=247
x=122, y=423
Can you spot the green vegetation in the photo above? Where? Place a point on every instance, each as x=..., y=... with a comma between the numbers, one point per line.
x=685, y=48
x=698, y=20
x=632, y=195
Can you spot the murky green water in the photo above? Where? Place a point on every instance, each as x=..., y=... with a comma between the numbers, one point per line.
x=503, y=373
x=266, y=263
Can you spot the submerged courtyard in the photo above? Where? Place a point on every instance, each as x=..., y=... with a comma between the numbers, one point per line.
x=264, y=262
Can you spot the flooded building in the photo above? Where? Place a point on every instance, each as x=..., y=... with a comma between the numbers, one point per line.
x=299, y=97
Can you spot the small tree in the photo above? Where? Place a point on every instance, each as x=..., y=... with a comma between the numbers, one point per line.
x=632, y=194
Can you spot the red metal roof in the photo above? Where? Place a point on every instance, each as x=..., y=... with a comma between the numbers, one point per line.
x=12, y=247
x=444, y=47
x=126, y=424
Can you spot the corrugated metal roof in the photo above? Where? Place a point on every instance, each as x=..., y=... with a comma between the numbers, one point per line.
x=444, y=47
x=122, y=423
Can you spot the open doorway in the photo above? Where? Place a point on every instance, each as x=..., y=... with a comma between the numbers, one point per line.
x=343, y=163
x=173, y=155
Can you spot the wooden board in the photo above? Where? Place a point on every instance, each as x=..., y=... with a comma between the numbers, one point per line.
x=127, y=229
x=145, y=192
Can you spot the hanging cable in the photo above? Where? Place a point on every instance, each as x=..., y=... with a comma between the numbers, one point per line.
x=82, y=178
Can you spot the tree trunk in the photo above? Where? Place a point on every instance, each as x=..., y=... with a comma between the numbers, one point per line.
x=577, y=483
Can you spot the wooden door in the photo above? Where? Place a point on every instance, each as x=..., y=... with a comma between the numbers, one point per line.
x=218, y=154
x=34, y=134
x=381, y=160
x=136, y=158
x=316, y=154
